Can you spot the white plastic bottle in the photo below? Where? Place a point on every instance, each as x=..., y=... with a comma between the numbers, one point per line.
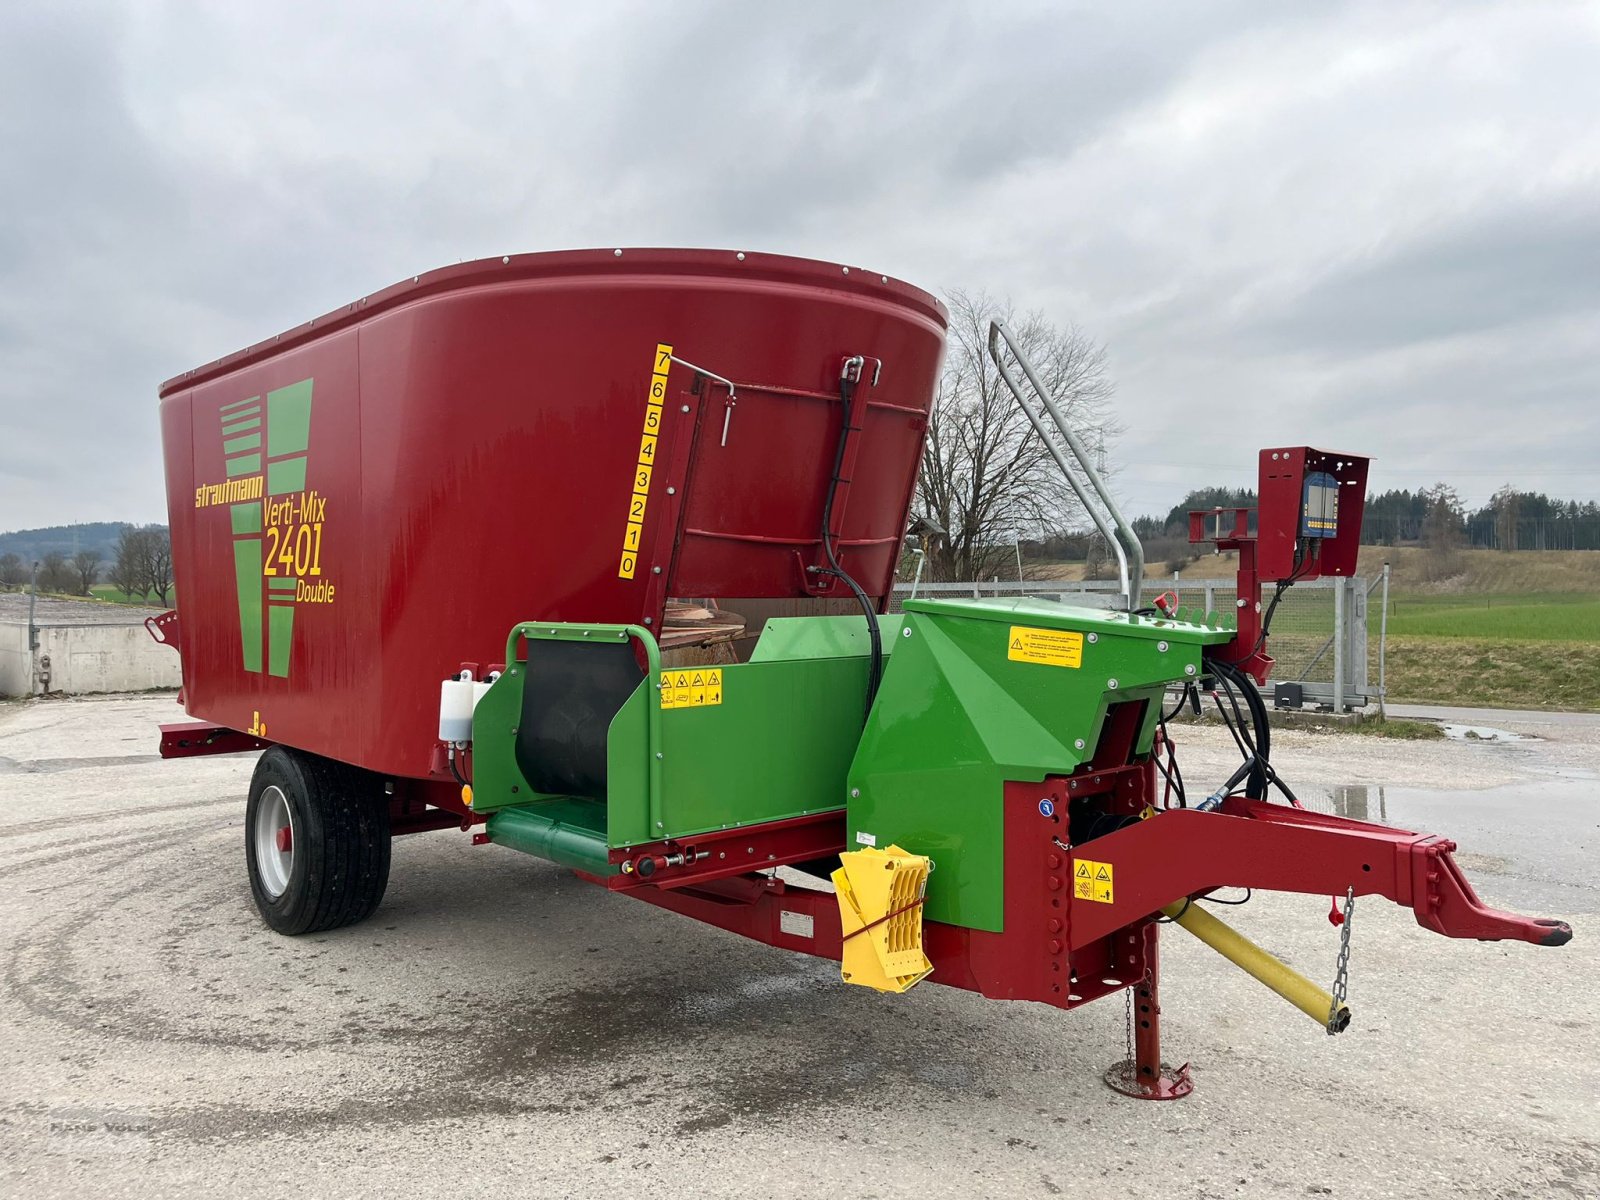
x=455, y=708
x=480, y=689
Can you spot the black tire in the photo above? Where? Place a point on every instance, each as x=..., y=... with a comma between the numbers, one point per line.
x=339, y=864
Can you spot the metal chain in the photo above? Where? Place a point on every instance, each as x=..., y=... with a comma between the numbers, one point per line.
x=1341, y=973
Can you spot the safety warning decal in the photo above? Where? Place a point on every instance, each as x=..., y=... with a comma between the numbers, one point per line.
x=1052, y=647
x=694, y=688
x=1092, y=881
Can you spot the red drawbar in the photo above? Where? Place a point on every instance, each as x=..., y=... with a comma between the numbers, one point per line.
x=1066, y=952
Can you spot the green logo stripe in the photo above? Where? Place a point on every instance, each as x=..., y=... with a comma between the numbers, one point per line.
x=267, y=629
x=247, y=577
x=246, y=517
x=289, y=419
x=279, y=633
x=286, y=475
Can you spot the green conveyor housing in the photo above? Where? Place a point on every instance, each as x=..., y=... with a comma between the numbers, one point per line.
x=974, y=693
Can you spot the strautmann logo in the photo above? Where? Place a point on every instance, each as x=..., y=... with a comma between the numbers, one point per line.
x=277, y=521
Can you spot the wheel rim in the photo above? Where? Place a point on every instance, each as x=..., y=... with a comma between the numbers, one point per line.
x=274, y=841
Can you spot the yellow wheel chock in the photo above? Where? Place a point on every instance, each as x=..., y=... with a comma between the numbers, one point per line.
x=880, y=913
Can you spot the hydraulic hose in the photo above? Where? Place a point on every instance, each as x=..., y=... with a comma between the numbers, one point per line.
x=1260, y=725
x=847, y=388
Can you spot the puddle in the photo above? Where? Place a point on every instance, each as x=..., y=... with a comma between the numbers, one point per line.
x=1528, y=846
x=1483, y=733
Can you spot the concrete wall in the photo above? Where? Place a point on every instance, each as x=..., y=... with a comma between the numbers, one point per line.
x=103, y=657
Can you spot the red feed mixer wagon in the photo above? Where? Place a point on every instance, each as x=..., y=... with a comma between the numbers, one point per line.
x=589, y=554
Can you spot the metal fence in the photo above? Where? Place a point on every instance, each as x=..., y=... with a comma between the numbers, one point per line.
x=1319, y=629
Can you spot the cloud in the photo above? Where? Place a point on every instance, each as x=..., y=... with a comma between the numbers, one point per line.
x=1366, y=225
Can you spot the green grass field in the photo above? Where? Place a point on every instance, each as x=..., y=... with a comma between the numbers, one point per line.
x=1558, y=617
x=1480, y=673
x=1500, y=649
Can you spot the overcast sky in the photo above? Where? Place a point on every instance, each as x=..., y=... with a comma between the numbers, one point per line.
x=1370, y=227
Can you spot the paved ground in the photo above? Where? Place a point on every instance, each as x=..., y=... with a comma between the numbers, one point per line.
x=1523, y=719
x=500, y=1028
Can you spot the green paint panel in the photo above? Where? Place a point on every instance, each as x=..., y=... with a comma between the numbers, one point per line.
x=280, y=630
x=288, y=475
x=629, y=766
x=238, y=404
x=956, y=718
x=568, y=831
x=247, y=579
x=289, y=419
x=778, y=745
x=250, y=441
x=280, y=583
x=823, y=637
x=249, y=464
x=246, y=518
x=242, y=426
x=496, y=780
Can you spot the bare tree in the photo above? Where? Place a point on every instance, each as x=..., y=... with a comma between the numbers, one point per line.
x=1443, y=529
x=1505, y=505
x=987, y=478
x=13, y=573
x=54, y=574
x=158, y=562
x=87, y=565
x=143, y=565
x=127, y=569
x=1095, y=566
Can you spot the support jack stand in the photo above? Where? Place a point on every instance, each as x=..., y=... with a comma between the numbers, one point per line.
x=1169, y=1084
x=1145, y=1076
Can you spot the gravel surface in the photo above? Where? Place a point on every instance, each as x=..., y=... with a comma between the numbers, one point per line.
x=501, y=1028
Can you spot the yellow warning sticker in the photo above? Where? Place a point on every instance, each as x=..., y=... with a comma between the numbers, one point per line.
x=640, y=499
x=692, y=688
x=1052, y=647
x=1092, y=881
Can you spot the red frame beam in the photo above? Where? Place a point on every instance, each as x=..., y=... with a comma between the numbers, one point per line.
x=727, y=852
x=1066, y=952
x=191, y=739
x=1230, y=530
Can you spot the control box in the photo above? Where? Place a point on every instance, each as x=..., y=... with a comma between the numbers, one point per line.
x=1308, y=519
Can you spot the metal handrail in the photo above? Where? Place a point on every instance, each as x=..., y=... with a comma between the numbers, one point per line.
x=1127, y=545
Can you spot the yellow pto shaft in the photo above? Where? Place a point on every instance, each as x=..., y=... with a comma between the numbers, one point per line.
x=1251, y=958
